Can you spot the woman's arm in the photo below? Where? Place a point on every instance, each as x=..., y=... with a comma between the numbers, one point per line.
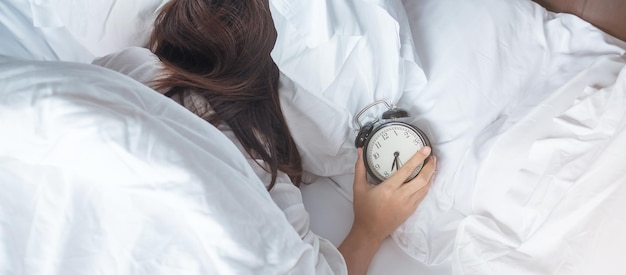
x=380, y=209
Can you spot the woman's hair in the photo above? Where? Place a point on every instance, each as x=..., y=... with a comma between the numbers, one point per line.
x=220, y=49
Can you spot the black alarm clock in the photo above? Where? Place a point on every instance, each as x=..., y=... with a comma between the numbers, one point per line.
x=388, y=143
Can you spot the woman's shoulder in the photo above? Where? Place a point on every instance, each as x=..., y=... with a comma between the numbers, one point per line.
x=136, y=62
x=127, y=55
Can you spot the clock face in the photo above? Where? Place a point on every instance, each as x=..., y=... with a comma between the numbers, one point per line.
x=391, y=146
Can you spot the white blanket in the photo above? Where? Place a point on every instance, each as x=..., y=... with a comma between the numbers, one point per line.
x=549, y=189
x=102, y=175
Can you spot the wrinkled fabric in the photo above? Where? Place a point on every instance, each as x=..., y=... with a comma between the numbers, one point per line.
x=471, y=73
x=547, y=193
x=144, y=66
x=341, y=56
x=101, y=174
x=487, y=64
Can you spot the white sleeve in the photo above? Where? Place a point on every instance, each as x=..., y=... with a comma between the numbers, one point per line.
x=289, y=199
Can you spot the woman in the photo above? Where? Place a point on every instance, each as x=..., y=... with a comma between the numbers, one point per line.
x=213, y=57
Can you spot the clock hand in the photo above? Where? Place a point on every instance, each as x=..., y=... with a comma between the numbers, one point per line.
x=396, y=161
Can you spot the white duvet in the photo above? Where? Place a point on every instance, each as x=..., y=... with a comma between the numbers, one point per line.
x=102, y=175
x=550, y=187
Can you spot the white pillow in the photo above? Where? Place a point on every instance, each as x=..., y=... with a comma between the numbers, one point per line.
x=74, y=30
x=341, y=56
x=101, y=174
x=25, y=37
x=103, y=26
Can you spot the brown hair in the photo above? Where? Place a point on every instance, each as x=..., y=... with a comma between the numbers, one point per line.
x=220, y=49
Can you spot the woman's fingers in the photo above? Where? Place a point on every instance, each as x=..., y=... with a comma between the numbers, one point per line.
x=422, y=189
x=418, y=196
x=398, y=178
x=380, y=209
x=422, y=180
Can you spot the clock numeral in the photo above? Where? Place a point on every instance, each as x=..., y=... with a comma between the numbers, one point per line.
x=377, y=166
x=386, y=174
x=394, y=131
x=416, y=142
x=406, y=134
x=376, y=155
x=385, y=136
x=377, y=145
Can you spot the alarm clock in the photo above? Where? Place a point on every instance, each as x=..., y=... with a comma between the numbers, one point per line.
x=388, y=143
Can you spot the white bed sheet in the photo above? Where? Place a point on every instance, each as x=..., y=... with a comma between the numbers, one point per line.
x=514, y=55
x=549, y=189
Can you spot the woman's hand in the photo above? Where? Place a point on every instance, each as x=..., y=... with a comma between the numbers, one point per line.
x=380, y=209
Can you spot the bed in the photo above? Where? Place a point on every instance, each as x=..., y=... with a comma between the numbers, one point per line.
x=525, y=109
